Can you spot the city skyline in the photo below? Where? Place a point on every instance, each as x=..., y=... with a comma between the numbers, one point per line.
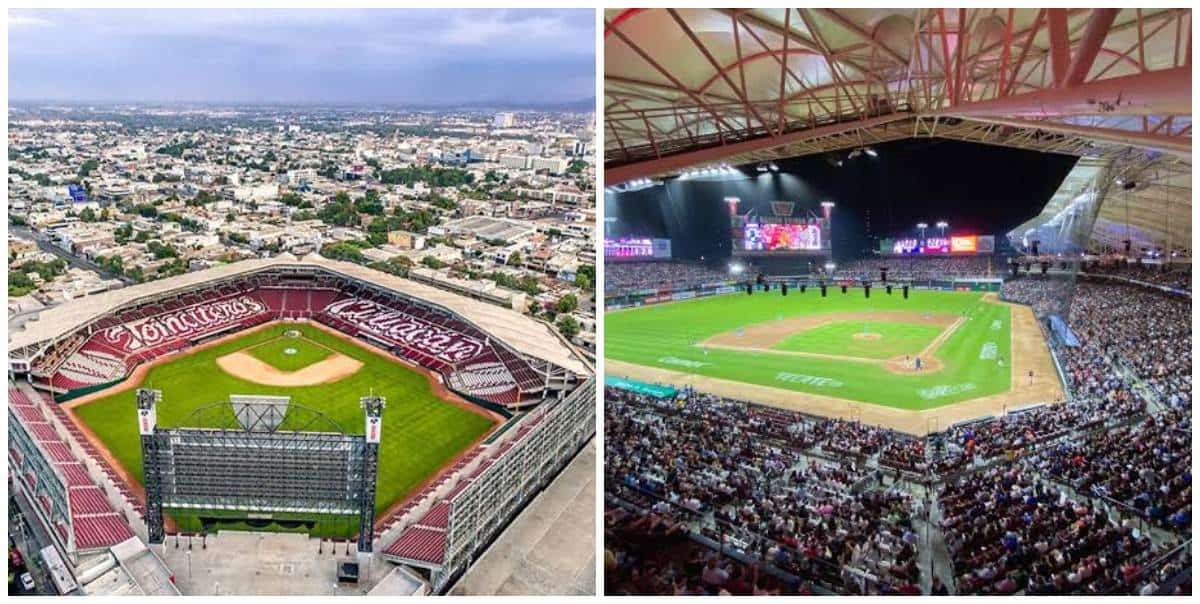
x=304, y=57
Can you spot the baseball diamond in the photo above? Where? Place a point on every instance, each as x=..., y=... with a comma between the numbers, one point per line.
x=756, y=344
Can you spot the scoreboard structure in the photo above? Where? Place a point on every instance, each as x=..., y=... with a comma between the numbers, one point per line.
x=784, y=231
x=259, y=455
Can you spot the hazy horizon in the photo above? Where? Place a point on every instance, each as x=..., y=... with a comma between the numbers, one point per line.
x=359, y=57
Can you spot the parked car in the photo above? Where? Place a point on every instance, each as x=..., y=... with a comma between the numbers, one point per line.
x=27, y=582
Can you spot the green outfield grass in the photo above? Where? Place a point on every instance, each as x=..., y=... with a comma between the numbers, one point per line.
x=665, y=336
x=421, y=432
x=838, y=338
x=290, y=354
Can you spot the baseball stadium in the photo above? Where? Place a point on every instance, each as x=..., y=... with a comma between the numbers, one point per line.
x=897, y=301
x=277, y=426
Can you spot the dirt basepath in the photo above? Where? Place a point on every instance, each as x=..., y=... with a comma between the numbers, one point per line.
x=761, y=337
x=1029, y=353
x=245, y=366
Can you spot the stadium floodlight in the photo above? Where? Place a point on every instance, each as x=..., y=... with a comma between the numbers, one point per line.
x=872, y=152
x=855, y=153
x=774, y=167
x=942, y=224
x=922, y=226
x=829, y=267
x=827, y=204
x=839, y=163
x=736, y=268
x=762, y=167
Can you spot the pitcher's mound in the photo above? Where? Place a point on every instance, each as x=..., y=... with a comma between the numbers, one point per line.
x=244, y=366
x=907, y=366
x=868, y=336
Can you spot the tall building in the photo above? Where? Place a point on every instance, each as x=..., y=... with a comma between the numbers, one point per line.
x=504, y=120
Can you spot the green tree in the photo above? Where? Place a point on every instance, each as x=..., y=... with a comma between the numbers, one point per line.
x=343, y=250
x=567, y=303
x=514, y=259
x=370, y=204
x=88, y=167
x=568, y=326
x=585, y=277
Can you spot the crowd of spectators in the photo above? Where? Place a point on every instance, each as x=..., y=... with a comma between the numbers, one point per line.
x=720, y=460
x=921, y=268
x=1145, y=331
x=1008, y=531
x=674, y=274
x=1177, y=276
x=1146, y=467
x=1008, y=518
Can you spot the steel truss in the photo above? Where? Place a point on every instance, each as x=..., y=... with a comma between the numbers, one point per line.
x=697, y=87
x=254, y=462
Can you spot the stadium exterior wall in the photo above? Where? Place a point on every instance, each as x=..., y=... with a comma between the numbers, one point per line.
x=480, y=512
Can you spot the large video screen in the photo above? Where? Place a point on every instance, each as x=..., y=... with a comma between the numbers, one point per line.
x=959, y=244
x=771, y=237
x=632, y=248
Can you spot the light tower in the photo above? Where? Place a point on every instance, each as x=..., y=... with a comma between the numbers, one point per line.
x=147, y=412
x=943, y=225
x=373, y=406
x=827, y=211
x=922, y=226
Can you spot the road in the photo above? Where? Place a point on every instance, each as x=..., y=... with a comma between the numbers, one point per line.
x=74, y=261
x=30, y=540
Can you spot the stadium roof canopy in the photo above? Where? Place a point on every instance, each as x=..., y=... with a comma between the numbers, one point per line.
x=513, y=328
x=694, y=88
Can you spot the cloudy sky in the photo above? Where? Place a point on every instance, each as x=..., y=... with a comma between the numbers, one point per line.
x=302, y=56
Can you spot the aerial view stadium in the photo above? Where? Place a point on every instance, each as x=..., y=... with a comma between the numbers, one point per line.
x=897, y=301
x=302, y=362
x=274, y=332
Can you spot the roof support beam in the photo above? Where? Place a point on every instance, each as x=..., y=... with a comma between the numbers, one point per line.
x=675, y=81
x=1089, y=47
x=740, y=92
x=1174, y=145
x=620, y=174
x=1060, y=44
x=1164, y=92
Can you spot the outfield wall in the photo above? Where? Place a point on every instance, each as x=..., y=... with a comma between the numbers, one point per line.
x=649, y=297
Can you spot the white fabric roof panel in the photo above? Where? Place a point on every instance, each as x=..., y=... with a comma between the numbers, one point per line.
x=519, y=331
